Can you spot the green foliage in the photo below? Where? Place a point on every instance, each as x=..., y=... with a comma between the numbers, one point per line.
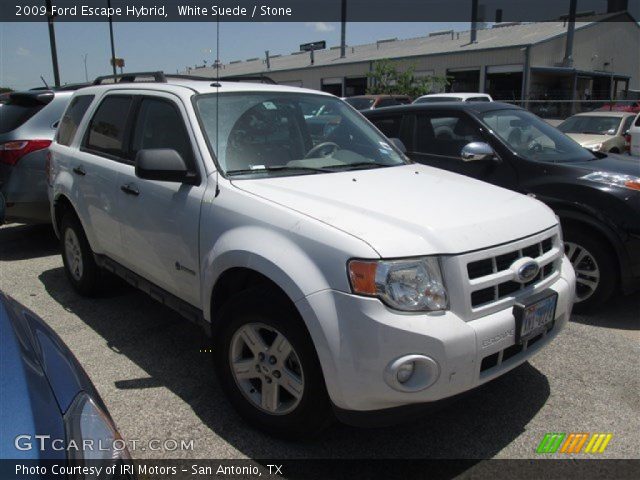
x=386, y=79
x=5, y=90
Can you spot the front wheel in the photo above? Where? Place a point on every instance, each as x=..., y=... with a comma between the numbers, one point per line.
x=595, y=267
x=268, y=367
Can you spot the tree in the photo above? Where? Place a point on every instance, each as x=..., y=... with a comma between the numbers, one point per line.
x=6, y=90
x=386, y=79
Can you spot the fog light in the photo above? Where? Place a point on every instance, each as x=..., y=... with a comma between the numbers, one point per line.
x=411, y=373
x=405, y=371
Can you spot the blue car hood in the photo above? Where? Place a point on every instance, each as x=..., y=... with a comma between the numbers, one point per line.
x=28, y=406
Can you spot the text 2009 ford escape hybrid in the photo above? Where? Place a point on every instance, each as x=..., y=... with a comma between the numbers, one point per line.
x=337, y=276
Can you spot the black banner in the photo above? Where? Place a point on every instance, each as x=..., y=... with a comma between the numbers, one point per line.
x=326, y=469
x=309, y=10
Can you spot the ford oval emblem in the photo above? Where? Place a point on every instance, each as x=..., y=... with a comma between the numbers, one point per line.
x=527, y=272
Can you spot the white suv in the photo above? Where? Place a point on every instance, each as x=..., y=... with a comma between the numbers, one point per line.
x=335, y=276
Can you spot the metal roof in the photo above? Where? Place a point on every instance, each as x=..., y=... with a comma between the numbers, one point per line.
x=507, y=36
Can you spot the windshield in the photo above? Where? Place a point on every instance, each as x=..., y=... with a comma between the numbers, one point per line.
x=437, y=99
x=264, y=134
x=595, y=125
x=532, y=138
x=360, y=103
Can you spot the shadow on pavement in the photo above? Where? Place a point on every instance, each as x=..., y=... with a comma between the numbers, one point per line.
x=167, y=348
x=21, y=242
x=622, y=313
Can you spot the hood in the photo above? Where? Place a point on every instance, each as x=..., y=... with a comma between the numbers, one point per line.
x=585, y=139
x=409, y=210
x=29, y=406
x=612, y=162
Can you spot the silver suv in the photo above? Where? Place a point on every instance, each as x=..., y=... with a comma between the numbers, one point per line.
x=28, y=122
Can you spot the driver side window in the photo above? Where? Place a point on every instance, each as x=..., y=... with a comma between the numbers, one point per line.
x=445, y=135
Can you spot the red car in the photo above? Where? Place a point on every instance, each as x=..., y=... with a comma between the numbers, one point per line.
x=632, y=106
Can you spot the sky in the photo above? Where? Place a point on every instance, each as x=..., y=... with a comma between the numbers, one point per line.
x=25, y=53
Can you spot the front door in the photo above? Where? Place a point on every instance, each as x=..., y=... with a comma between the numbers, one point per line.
x=160, y=220
x=440, y=138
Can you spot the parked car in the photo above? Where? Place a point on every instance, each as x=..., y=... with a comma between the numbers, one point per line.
x=371, y=102
x=48, y=402
x=632, y=106
x=28, y=122
x=595, y=195
x=335, y=275
x=599, y=131
x=454, y=97
x=634, y=137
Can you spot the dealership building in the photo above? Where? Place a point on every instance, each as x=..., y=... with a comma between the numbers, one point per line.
x=510, y=61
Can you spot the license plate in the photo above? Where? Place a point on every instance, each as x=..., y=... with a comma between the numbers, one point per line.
x=534, y=315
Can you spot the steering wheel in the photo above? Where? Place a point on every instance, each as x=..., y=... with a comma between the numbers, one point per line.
x=534, y=146
x=328, y=147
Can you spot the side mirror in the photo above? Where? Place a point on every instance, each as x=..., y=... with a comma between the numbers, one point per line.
x=162, y=164
x=475, y=151
x=398, y=144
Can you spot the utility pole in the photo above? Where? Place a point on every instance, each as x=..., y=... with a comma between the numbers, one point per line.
x=113, y=48
x=52, y=42
x=343, y=29
x=86, y=74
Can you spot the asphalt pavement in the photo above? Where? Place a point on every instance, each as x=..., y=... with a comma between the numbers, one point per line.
x=154, y=374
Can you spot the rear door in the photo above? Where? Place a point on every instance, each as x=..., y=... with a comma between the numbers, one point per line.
x=439, y=139
x=95, y=169
x=160, y=220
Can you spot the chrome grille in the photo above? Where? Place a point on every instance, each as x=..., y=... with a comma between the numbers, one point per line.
x=491, y=279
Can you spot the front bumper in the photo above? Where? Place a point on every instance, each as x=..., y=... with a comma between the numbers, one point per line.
x=357, y=337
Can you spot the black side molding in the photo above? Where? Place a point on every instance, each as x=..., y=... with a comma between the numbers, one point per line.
x=185, y=309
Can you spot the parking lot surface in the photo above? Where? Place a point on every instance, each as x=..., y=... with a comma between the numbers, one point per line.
x=153, y=372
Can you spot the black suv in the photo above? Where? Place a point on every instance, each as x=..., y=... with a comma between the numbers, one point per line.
x=596, y=196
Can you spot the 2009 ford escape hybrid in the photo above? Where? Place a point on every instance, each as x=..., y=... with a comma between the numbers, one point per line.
x=336, y=276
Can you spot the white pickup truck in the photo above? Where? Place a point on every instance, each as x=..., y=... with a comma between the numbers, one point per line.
x=336, y=277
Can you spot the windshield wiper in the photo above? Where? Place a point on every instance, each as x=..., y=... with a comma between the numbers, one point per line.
x=358, y=165
x=278, y=168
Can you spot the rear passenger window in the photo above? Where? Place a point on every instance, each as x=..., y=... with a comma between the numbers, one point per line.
x=72, y=117
x=160, y=125
x=107, y=128
x=445, y=135
x=387, y=102
x=389, y=126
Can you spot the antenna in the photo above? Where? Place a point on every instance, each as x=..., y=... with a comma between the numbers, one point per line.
x=217, y=98
x=44, y=81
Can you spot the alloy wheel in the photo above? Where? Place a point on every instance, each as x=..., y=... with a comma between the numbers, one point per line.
x=266, y=368
x=73, y=254
x=586, y=268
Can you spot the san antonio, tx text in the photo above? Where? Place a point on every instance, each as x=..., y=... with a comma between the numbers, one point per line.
x=141, y=469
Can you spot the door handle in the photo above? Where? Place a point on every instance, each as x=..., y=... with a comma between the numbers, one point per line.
x=79, y=171
x=130, y=189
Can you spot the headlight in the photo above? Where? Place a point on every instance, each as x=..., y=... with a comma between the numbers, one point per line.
x=411, y=285
x=618, y=179
x=92, y=438
x=595, y=147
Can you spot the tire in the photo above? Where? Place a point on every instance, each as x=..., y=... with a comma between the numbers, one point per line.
x=260, y=312
x=79, y=263
x=596, y=270
x=614, y=150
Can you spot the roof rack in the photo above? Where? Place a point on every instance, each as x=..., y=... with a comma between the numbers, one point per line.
x=249, y=78
x=162, y=77
x=131, y=77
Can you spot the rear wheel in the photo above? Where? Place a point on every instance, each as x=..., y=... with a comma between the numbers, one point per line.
x=79, y=263
x=267, y=365
x=595, y=267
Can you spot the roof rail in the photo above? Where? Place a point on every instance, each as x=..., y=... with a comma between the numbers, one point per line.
x=248, y=78
x=162, y=77
x=131, y=77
